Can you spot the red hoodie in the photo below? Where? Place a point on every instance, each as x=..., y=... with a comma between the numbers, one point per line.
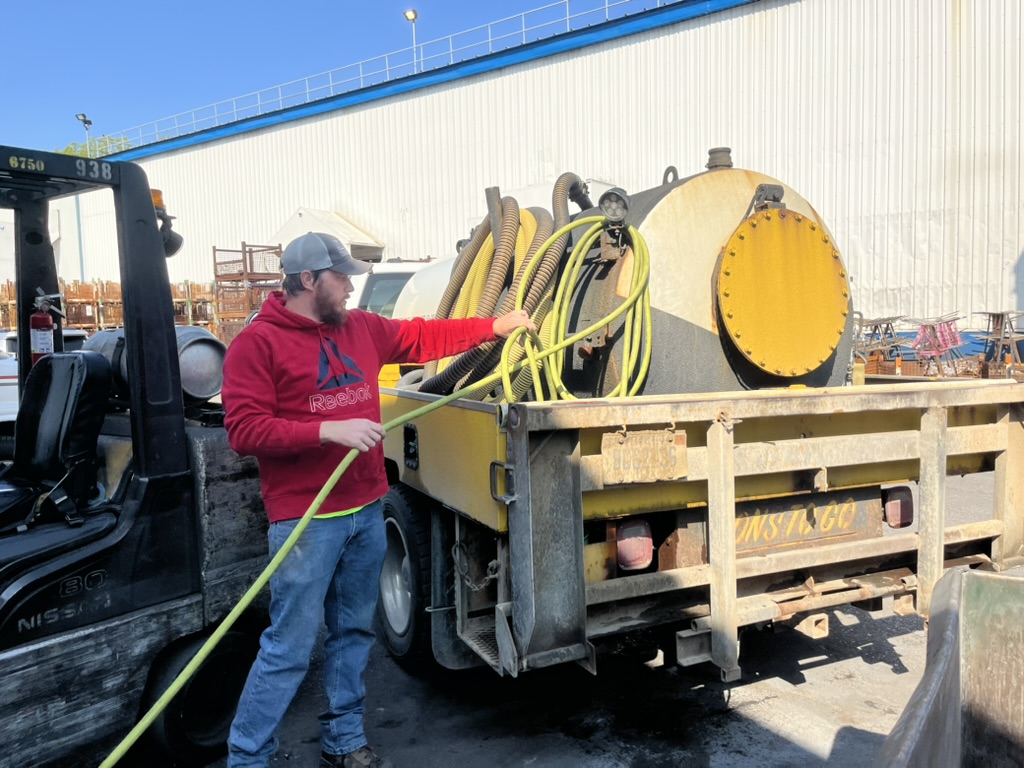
x=285, y=373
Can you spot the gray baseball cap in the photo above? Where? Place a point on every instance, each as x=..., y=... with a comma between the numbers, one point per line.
x=318, y=250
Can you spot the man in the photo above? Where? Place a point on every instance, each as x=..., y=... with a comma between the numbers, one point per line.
x=300, y=390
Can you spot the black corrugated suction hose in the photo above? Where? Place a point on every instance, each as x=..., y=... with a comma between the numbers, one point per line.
x=568, y=186
x=474, y=365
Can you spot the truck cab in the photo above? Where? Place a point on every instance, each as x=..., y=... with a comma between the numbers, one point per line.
x=128, y=528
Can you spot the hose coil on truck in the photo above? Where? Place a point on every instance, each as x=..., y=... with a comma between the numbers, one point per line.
x=747, y=289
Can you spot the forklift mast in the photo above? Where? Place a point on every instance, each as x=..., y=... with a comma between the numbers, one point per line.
x=29, y=180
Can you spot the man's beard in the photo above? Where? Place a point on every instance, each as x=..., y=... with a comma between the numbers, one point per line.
x=327, y=312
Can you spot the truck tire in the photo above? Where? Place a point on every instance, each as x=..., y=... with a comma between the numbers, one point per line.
x=405, y=578
x=193, y=729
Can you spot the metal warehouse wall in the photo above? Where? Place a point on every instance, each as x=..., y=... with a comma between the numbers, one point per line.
x=900, y=120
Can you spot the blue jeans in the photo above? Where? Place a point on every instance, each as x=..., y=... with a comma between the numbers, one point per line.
x=330, y=576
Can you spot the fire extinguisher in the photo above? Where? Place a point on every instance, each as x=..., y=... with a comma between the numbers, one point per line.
x=40, y=325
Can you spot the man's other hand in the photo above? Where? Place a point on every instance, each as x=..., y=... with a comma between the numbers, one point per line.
x=504, y=325
x=361, y=434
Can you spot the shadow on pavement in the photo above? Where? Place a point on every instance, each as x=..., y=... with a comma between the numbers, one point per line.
x=630, y=715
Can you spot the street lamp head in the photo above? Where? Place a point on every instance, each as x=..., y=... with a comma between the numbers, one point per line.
x=411, y=15
x=83, y=119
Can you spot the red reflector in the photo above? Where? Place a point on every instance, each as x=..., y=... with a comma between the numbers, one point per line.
x=634, y=545
x=898, y=505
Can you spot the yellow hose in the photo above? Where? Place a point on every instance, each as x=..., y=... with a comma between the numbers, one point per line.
x=535, y=227
x=636, y=306
x=469, y=296
x=535, y=354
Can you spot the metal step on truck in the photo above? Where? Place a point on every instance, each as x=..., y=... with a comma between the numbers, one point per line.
x=746, y=481
x=128, y=528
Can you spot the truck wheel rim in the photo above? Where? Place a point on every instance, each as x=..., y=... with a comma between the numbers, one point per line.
x=395, y=580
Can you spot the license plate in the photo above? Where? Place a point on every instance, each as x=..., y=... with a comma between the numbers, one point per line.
x=643, y=456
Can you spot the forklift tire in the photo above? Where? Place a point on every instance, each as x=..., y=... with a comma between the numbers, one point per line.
x=193, y=729
x=405, y=578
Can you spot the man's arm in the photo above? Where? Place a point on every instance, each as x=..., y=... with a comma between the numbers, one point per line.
x=419, y=340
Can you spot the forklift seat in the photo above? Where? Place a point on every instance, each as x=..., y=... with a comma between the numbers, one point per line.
x=53, y=474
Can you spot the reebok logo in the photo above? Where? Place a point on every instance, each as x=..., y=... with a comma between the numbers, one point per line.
x=327, y=377
x=330, y=402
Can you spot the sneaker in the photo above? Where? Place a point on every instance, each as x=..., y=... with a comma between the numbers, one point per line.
x=364, y=757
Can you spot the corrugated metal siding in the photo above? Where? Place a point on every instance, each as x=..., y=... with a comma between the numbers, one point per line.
x=900, y=120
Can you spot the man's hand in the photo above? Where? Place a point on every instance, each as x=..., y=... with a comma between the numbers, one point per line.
x=504, y=325
x=361, y=434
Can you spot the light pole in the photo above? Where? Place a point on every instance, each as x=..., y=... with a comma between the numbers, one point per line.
x=411, y=15
x=86, y=123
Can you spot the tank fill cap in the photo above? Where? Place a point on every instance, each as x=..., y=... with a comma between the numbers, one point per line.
x=719, y=157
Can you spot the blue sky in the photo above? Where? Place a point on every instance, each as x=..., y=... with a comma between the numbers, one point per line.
x=128, y=63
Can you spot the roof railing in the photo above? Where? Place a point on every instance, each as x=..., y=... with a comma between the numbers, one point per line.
x=548, y=21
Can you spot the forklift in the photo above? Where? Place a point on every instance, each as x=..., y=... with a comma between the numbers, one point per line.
x=128, y=527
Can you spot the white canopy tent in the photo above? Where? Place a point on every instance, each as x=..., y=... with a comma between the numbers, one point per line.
x=360, y=244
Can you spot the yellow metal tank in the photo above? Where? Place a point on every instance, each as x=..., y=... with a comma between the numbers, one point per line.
x=748, y=289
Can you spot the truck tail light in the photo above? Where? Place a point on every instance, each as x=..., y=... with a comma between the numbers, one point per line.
x=898, y=506
x=634, y=545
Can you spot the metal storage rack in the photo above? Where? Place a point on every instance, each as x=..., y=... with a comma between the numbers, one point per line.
x=243, y=278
